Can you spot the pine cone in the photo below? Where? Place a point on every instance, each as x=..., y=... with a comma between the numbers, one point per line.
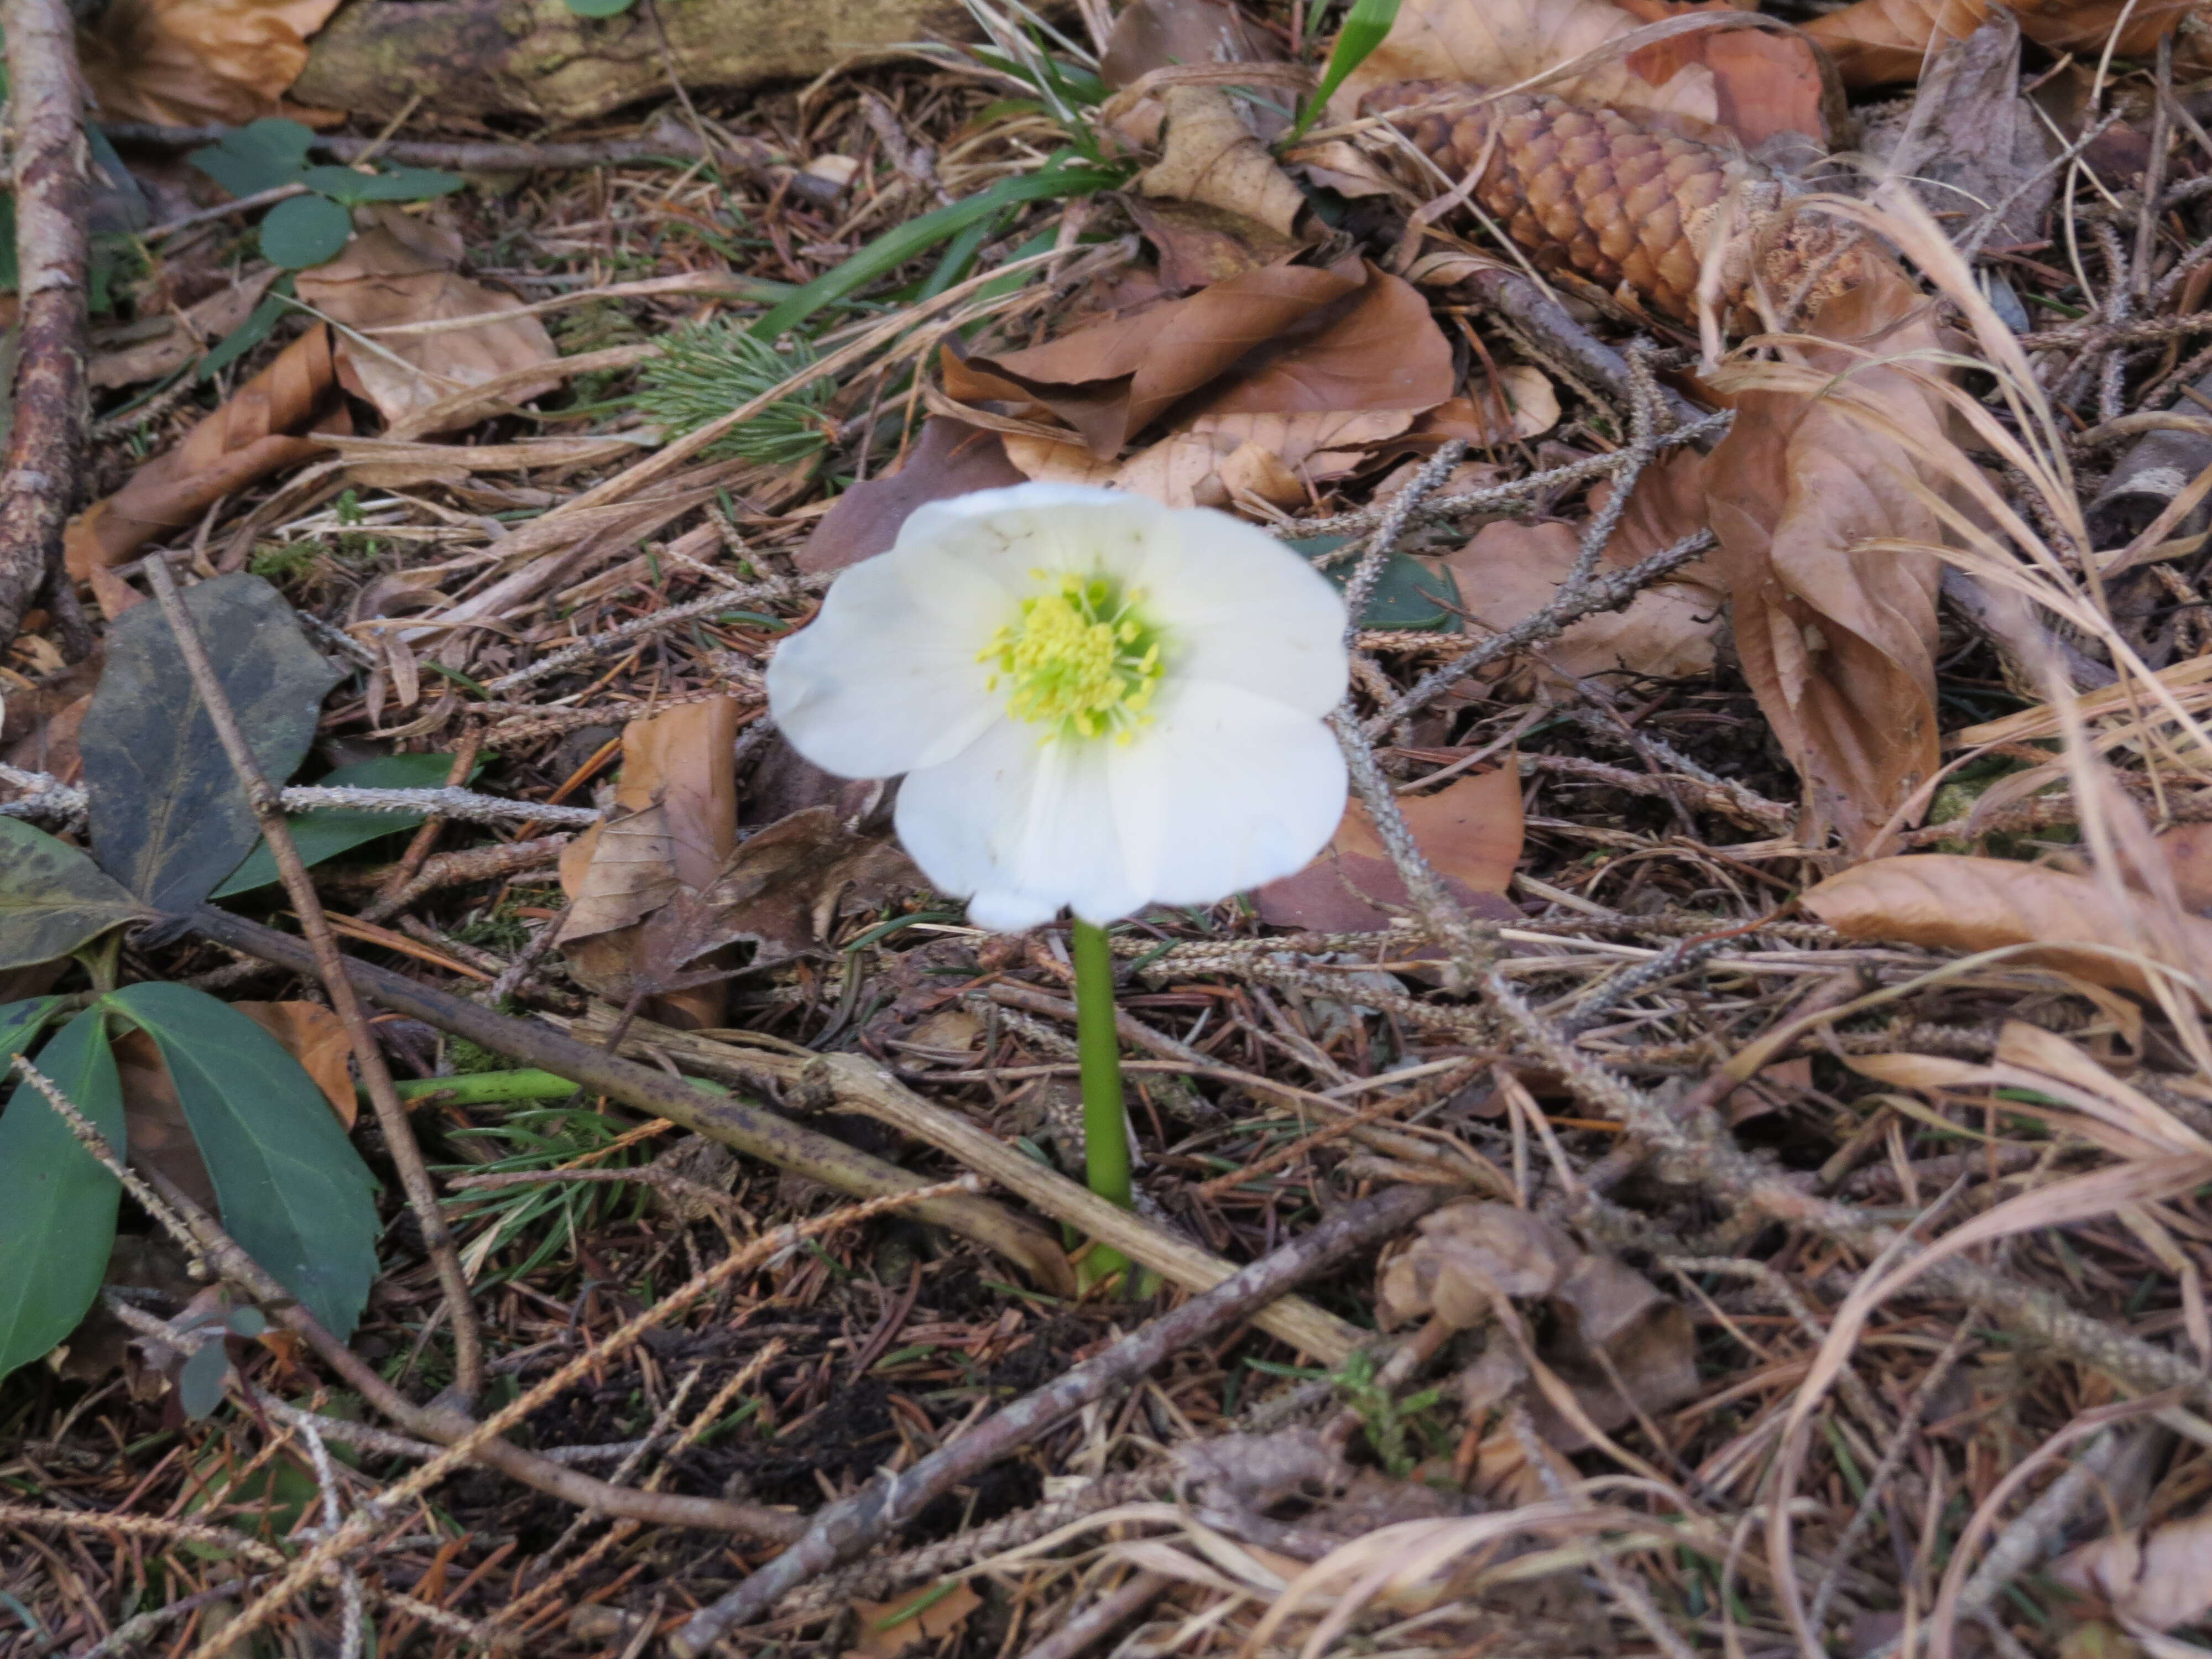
x=1629, y=208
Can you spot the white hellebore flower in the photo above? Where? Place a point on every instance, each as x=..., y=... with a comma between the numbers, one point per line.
x=1098, y=702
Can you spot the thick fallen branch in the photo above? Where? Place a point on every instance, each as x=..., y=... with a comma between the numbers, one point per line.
x=745, y=1129
x=45, y=445
x=843, y=1529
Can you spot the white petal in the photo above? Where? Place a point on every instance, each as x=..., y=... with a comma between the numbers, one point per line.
x=1244, y=610
x=1019, y=829
x=1052, y=527
x=886, y=678
x=1223, y=791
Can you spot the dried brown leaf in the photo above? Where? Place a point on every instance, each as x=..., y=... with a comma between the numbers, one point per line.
x=1875, y=42
x=401, y=272
x=1944, y=901
x=181, y=337
x=1512, y=570
x=250, y=436
x=316, y=1037
x=1470, y=830
x=782, y=888
x=1211, y=157
x=1198, y=245
x=1971, y=142
x=188, y=63
x=1497, y=43
x=154, y=1121
x=2152, y=1580
x=1467, y=1252
x=1836, y=638
x=1766, y=82
x=1150, y=35
x=885, y=1634
x=951, y=459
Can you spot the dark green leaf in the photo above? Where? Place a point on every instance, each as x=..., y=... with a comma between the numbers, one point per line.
x=1409, y=595
x=598, y=8
x=400, y=185
x=251, y=332
x=199, y=1385
x=329, y=831
x=257, y=156
x=57, y=1203
x=306, y=230
x=291, y=1187
x=20, y=1024
x=168, y=818
x=248, y=1323
x=1057, y=177
x=52, y=897
x=1366, y=25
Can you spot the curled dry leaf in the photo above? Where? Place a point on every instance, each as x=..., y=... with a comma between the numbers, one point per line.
x=1512, y=570
x=401, y=272
x=1222, y=460
x=189, y=63
x=1467, y=1254
x=950, y=458
x=1151, y=35
x=181, y=337
x=1875, y=42
x=1211, y=157
x=1946, y=902
x=1284, y=340
x=2153, y=1580
x=1470, y=831
x=316, y=1037
x=1198, y=245
x=1767, y=82
x=1838, y=638
x=1498, y=43
x=254, y=434
x=781, y=888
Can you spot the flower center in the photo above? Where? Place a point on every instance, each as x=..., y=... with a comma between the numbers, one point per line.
x=1082, y=660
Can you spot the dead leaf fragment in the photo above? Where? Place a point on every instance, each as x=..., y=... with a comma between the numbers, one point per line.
x=1468, y=1254
x=316, y=1037
x=1876, y=42
x=183, y=337
x=154, y=1121
x=254, y=435
x=1470, y=830
x=1150, y=35
x=951, y=459
x=2153, y=1580
x=1211, y=157
x=885, y=1634
x=1947, y=901
x=396, y=274
x=782, y=888
x=190, y=62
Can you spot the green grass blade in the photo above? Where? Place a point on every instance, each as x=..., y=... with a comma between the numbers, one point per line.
x=1366, y=25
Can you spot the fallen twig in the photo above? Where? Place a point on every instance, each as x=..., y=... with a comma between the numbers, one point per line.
x=843, y=1529
x=46, y=444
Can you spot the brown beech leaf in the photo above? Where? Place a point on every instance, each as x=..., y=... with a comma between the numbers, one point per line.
x=886, y=1629
x=679, y=791
x=1211, y=157
x=1287, y=339
x=1468, y=1251
x=1972, y=141
x=1765, y=81
x=1519, y=402
x=182, y=337
x=950, y=458
x=1470, y=830
x=1200, y=244
x=782, y=887
x=316, y=1037
x=1225, y=459
x=188, y=63
x=250, y=436
x=1151, y=35
x=1497, y=43
x=1946, y=902
x=401, y=272
x=153, y=1119
x=1838, y=638
x=1511, y=570
x=2152, y=1580
x=1875, y=42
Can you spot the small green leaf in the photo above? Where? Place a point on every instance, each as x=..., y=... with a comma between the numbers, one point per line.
x=399, y=185
x=291, y=1187
x=168, y=818
x=257, y=156
x=57, y=1203
x=598, y=8
x=199, y=1385
x=1408, y=595
x=328, y=831
x=250, y=333
x=304, y=231
x=52, y=897
x=1366, y=25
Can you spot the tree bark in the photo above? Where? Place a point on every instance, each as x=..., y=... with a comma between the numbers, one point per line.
x=45, y=445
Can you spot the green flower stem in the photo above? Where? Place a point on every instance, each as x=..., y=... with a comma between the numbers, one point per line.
x=1105, y=1121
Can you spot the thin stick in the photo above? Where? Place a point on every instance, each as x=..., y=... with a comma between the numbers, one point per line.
x=329, y=967
x=45, y=446
x=844, y=1528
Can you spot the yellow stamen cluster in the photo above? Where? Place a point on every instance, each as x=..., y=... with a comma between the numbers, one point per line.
x=1081, y=659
